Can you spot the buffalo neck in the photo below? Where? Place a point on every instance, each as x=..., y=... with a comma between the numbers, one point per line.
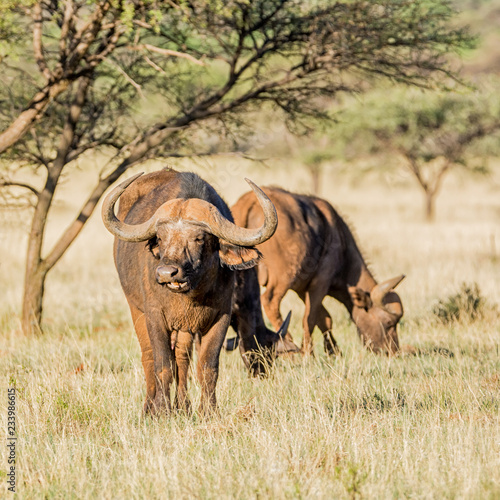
x=248, y=319
x=356, y=272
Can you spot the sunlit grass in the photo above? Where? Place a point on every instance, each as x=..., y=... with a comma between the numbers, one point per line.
x=424, y=426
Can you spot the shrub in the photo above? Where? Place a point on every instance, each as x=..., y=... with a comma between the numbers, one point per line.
x=466, y=305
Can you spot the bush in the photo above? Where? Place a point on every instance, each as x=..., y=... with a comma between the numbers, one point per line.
x=466, y=305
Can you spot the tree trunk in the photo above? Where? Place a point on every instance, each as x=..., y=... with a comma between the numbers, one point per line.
x=32, y=302
x=430, y=205
x=315, y=171
x=36, y=267
x=35, y=270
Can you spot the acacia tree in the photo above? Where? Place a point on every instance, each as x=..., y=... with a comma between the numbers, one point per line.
x=430, y=132
x=207, y=63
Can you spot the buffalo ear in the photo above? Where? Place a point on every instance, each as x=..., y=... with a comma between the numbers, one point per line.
x=236, y=257
x=359, y=297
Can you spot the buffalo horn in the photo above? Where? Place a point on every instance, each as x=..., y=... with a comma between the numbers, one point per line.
x=224, y=229
x=284, y=327
x=382, y=289
x=127, y=232
x=231, y=344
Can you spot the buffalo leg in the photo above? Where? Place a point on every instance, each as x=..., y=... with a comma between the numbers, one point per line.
x=325, y=324
x=313, y=299
x=163, y=360
x=197, y=343
x=271, y=300
x=208, y=363
x=183, y=354
x=147, y=355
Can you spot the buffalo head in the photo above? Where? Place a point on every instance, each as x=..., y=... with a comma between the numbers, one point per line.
x=189, y=237
x=273, y=341
x=377, y=313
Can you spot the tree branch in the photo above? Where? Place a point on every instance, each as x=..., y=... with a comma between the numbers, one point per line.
x=65, y=29
x=31, y=113
x=439, y=176
x=21, y=185
x=415, y=169
x=87, y=34
x=88, y=208
x=167, y=52
x=69, y=128
x=155, y=66
x=37, y=42
x=107, y=45
x=126, y=76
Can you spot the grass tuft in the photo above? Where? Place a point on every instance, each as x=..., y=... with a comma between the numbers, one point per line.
x=467, y=305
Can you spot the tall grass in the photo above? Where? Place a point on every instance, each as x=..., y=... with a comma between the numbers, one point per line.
x=357, y=426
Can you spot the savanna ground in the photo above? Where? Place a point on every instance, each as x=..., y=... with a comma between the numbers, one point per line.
x=358, y=426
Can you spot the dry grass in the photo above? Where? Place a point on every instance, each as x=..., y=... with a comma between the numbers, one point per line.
x=359, y=426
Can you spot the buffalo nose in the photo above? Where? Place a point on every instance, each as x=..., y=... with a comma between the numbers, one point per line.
x=164, y=274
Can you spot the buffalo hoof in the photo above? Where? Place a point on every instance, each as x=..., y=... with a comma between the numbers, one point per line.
x=148, y=404
x=332, y=349
x=307, y=352
x=260, y=369
x=159, y=407
x=184, y=406
x=231, y=344
x=333, y=352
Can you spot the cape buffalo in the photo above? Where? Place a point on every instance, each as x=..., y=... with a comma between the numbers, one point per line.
x=181, y=281
x=314, y=253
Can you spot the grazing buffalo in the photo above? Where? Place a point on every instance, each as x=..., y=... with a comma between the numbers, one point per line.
x=258, y=344
x=314, y=253
x=181, y=281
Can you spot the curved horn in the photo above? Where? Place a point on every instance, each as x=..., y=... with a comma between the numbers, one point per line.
x=231, y=344
x=382, y=289
x=222, y=228
x=284, y=327
x=127, y=232
x=285, y=342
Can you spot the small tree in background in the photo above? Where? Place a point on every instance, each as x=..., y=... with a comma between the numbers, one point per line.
x=430, y=132
x=313, y=152
x=314, y=162
x=205, y=65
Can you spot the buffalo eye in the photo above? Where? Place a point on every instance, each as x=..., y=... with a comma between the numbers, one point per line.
x=199, y=240
x=153, y=245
